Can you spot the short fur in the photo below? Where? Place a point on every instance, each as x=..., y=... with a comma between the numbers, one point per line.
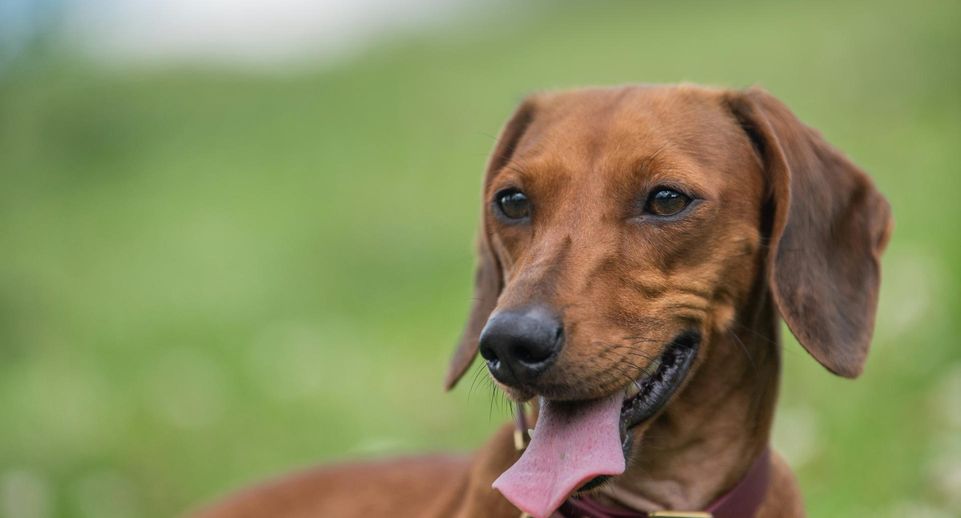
x=787, y=227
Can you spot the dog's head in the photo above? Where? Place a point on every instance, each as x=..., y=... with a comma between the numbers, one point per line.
x=622, y=223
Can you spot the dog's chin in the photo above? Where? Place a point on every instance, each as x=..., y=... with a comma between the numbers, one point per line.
x=515, y=394
x=646, y=397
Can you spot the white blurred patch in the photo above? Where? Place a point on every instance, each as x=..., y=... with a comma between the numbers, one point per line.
x=912, y=509
x=186, y=389
x=24, y=494
x=944, y=450
x=105, y=494
x=796, y=435
x=947, y=483
x=908, y=291
x=251, y=32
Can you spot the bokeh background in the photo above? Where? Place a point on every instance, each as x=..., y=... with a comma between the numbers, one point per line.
x=236, y=237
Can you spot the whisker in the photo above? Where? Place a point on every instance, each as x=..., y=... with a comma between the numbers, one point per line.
x=747, y=353
x=756, y=333
x=621, y=348
x=478, y=370
x=702, y=308
x=639, y=339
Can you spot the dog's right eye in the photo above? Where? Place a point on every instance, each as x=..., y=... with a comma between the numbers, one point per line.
x=666, y=202
x=513, y=204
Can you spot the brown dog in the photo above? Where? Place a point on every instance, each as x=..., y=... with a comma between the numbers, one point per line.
x=638, y=246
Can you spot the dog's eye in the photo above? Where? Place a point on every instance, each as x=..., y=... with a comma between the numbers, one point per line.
x=513, y=204
x=666, y=202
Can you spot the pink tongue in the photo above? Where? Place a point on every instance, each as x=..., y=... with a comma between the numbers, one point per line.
x=572, y=443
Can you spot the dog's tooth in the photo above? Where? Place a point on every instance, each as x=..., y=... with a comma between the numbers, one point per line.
x=632, y=390
x=656, y=364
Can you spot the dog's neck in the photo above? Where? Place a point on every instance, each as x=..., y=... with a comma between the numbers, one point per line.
x=707, y=438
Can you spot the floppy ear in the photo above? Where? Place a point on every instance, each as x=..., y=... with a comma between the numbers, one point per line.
x=828, y=227
x=488, y=279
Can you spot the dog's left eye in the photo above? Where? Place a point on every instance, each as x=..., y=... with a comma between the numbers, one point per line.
x=513, y=204
x=666, y=202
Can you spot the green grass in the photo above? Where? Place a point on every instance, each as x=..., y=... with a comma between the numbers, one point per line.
x=207, y=277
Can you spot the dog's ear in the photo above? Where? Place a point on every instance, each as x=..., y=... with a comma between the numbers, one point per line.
x=827, y=227
x=488, y=279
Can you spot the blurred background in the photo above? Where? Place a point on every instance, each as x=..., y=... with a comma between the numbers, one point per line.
x=236, y=237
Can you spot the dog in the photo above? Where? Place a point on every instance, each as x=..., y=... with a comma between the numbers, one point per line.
x=639, y=246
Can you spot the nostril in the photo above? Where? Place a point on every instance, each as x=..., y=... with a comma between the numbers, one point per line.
x=525, y=354
x=488, y=353
x=487, y=350
x=532, y=353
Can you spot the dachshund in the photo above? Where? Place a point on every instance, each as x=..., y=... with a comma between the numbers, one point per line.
x=639, y=247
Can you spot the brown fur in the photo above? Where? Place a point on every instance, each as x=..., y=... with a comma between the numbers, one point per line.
x=785, y=226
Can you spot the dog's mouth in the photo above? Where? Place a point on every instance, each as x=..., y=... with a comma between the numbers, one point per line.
x=577, y=446
x=646, y=395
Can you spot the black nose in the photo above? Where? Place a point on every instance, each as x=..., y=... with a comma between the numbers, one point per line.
x=519, y=345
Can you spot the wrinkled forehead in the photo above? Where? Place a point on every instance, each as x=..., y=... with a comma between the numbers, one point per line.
x=632, y=132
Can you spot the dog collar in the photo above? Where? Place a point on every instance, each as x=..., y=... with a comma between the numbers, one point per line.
x=742, y=501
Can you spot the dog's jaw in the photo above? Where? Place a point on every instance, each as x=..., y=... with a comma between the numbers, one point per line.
x=577, y=445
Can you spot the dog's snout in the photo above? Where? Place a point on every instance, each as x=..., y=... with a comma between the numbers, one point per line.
x=519, y=345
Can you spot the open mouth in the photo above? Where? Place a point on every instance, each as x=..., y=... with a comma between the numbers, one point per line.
x=577, y=445
x=646, y=395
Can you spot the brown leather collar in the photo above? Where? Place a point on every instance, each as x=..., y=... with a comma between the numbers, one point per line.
x=742, y=501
